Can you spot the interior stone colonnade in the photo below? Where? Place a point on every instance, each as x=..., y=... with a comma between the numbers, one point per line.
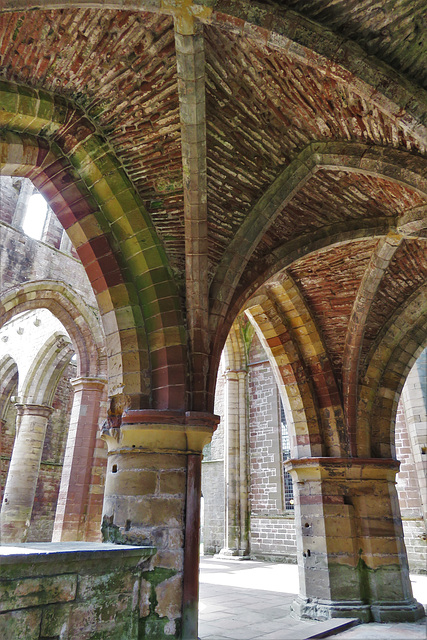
x=228, y=158
x=35, y=393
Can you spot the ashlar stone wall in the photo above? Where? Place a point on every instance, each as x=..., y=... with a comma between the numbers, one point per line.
x=272, y=530
x=213, y=483
x=272, y=526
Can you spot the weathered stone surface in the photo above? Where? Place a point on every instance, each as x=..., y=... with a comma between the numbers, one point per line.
x=169, y=595
x=195, y=152
x=21, y=624
x=24, y=593
x=55, y=620
x=89, y=598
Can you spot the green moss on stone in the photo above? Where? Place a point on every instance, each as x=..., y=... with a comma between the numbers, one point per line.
x=152, y=627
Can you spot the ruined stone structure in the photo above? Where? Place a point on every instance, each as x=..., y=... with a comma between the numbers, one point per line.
x=207, y=159
x=46, y=402
x=258, y=506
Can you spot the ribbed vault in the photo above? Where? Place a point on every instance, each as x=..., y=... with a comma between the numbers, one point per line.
x=196, y=150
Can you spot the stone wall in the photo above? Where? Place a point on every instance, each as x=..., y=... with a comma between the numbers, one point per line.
x=9, y=194
x=79, y=592
x=272, y=527
x=273, y=538
x=213, y=489
x=266, y=490
x=23, y=259
x=213, y=497
x=409, y=494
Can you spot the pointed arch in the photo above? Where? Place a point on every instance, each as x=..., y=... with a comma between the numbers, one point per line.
x=394, y=165
x=95, y=201
x=234, y=349
x=8, y=382
x=46, y=370
x=379, y=262
x=294, y=386
x=290, y=305
x=383, y=374
x=78, y=318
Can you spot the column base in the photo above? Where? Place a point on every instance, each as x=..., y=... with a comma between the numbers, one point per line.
x=317, y=609
x=232, y=554
x=406, y=611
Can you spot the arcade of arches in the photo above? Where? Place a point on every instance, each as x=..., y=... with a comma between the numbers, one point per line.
x=223, y=177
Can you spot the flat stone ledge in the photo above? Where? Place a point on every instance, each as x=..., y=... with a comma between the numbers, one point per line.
x=81, y=556
x=49, y=548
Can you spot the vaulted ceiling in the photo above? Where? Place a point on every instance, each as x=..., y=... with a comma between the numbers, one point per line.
x=260, y=137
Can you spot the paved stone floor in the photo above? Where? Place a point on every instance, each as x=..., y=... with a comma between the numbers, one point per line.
x=250, y=600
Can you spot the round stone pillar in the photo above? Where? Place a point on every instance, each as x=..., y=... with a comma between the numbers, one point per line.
x=23, y=472
x=72, y=505
x=235, y=465
x=351, y=555
x=152, y=496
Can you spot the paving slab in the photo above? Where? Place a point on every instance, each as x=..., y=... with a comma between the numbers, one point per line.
x=250, y=600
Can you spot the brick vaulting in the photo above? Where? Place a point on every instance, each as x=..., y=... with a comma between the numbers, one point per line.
x=213, y=157
x=312, y=150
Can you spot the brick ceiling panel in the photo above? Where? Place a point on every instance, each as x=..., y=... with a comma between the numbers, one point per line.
x=329, y=282
x=394, y=32
x=406, y=272
x=120, y=68
x=332, y=197
x=263, y=108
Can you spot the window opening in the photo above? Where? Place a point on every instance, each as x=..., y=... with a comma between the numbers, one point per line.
x=35, y=216
x=286, y=454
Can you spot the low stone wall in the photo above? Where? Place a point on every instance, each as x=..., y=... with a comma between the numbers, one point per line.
x=72, y=591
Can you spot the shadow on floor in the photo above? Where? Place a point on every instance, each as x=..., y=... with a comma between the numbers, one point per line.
x=250, y=600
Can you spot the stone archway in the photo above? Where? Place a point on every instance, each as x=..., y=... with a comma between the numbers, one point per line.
x=78, y=513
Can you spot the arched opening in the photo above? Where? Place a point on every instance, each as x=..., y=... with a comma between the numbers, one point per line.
x=42, y=352
x=222, y=581
x=411, y=451
x=67, y=374
x=208, y=159
x=35, y=217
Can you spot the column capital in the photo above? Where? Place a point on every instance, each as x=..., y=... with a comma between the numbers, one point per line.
x=234, y=374
x=41, y=410
x=148, y=430
x=305, y=469
x=88, y=383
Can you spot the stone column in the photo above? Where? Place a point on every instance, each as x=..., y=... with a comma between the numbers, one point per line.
x=27, y=190
x=70, y=517
x=235, y=465
x=23, y=472
x=243, y=464
x=351, y=555
x=152, y=496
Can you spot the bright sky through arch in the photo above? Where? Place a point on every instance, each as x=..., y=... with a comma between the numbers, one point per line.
x=35, y=216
